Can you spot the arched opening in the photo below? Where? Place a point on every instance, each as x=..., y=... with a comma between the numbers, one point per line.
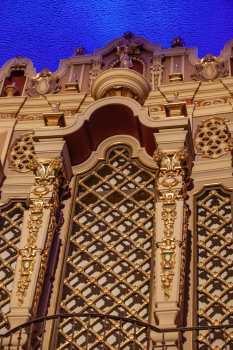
x=107, y=121
x=108, y=268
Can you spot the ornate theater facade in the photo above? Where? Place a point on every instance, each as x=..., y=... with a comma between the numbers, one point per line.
x=116, y=200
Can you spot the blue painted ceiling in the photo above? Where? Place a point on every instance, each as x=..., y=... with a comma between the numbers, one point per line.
x=48, y=30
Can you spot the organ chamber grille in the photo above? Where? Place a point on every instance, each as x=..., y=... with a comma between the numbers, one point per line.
x=11, y=218
x=108, y=267
x=214, y=267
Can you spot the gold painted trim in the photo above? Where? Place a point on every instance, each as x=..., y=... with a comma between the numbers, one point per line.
x=137, y=152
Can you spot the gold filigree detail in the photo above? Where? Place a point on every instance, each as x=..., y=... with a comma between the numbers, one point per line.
x=27, y=264
x=213, y=138
x=171, y=187
x=44, y=195
x=22, y=153
x=168, y=247
x=28, y=253
x=170, y=183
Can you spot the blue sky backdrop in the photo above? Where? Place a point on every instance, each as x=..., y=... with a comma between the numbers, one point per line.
x=48, y=30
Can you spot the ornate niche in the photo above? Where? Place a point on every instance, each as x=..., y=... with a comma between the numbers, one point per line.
x=126, y=64
x=14, y=76
x=213, y=138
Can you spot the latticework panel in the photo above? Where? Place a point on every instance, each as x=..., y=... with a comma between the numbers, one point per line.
x=11, y=217
x=215, y=268
x=108, y=266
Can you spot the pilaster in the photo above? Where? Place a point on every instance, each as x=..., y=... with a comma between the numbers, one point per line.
x=51, y=169
x=174, y=158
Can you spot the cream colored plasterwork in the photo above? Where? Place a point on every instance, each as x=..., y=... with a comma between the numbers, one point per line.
x=118, y=78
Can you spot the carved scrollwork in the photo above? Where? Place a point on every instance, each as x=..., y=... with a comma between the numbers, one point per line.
x=213, y=138
x=210, y=68
x=168, y=247
x=44, y=195
x=171, y=185
x=43, y=83
x=171, y=172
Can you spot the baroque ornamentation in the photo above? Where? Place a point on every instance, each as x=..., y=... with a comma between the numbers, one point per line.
x=168, y=247
x=156, y=71
x=171, y=172
x=213, y=138
x=44, y=195
x=125, y=59
x=43, y=83
x=210, y=68
x=171, y=187
x=22, y=153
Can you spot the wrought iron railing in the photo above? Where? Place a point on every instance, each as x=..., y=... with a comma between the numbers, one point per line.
x=32, y=335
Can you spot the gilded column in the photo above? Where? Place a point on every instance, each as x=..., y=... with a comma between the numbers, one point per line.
x=41, y=221
x=174, y=159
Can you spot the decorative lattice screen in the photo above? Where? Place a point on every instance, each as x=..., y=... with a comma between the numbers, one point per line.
x=11, y=217
x=108, y=266
x=215, y=267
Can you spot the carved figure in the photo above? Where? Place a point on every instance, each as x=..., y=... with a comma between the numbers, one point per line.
x=125, y=59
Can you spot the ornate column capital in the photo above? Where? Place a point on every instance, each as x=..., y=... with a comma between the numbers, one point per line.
x=173, y=174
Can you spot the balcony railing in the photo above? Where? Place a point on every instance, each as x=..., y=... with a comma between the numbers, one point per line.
x=32, y=335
